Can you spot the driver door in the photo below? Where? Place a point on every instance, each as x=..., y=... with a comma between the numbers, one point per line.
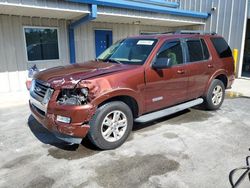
x=167, y=86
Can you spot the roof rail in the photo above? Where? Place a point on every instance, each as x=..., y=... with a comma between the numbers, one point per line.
x=199, y=32
x=194, y=32
x=158, y=33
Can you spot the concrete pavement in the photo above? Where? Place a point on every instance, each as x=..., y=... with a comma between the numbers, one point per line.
x=241, y=86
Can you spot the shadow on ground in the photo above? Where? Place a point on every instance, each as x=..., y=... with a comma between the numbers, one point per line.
x=61, y=149
x=195, y=114
x=150, y=124
x=46, y=137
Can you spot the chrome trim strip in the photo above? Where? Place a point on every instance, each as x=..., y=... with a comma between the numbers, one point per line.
x=37, y=104
x=40, y=102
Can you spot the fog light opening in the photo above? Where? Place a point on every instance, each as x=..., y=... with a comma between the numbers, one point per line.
x=63, y=119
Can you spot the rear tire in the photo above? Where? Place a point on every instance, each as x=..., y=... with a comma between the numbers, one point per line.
x=111, y=125
x=215, y=95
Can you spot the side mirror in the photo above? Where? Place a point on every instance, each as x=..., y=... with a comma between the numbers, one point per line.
x=162, y=63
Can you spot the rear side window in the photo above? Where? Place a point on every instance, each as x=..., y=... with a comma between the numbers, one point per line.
x=221, y=47
x=195, y=50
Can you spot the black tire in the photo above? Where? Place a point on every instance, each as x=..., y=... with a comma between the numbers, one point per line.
x=95, y=132
x=209, y=104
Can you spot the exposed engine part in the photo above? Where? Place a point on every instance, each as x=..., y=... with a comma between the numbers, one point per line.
x=93, y=87
x=73, y=97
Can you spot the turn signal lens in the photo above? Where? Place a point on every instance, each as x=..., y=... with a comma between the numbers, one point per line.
x=63, y=119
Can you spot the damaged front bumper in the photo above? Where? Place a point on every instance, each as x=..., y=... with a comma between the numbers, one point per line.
x=72, y=132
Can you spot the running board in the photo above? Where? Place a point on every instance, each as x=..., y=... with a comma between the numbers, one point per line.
x=168, y=111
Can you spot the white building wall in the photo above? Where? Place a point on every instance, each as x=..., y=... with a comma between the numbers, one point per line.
x=85, y=39
x=13, y=59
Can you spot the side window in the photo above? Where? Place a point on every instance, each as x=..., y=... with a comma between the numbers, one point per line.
x=173, y=51
x=221, y=47
x=195, y=50
x=205, y=50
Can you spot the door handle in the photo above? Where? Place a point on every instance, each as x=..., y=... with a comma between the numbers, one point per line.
x=180, y=71
x=210, y=66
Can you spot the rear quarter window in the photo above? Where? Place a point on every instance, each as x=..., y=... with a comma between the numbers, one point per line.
x=221, y=47
x=195, y=50
x=205, y=50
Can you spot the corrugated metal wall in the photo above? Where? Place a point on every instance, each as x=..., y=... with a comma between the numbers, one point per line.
x=248, y=12
x=84, y=35
x=227, y=20
x=13, y=61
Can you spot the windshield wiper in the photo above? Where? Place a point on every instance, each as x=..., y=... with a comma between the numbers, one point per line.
x=97, y=59
x=114, y=61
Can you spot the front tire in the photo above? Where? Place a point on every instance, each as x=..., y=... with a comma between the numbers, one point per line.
x=111, y=125
x=215, y=95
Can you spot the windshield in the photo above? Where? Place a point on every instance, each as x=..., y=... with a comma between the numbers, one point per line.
x=129, y=51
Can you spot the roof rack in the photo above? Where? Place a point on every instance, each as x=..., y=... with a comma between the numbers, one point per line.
x=159, y=33
x=199, y=32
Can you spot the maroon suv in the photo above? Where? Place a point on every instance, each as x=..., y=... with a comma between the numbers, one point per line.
x=139, y=78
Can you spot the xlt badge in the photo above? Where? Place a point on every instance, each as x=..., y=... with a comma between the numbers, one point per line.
x=157, y=99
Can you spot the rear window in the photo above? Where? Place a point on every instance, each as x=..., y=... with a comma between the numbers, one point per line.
x=195, y=50
x=221, y=47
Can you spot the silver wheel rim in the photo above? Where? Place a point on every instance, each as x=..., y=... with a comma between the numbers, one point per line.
x=217, y=95
x=114, y=126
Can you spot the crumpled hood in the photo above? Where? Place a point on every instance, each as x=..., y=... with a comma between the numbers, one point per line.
x=68, y=76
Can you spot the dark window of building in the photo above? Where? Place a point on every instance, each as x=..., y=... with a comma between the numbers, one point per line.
x=246, y=60
x=41, y=44
x=195, y=50
x=173, y=51
x=205, y=50
x=221, y=47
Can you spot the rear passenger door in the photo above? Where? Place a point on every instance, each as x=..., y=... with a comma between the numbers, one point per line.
x=199, y=65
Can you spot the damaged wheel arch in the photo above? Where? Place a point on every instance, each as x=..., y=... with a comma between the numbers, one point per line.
x=130, y=101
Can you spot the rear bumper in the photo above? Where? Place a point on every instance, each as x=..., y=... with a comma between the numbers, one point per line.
x=73, y=132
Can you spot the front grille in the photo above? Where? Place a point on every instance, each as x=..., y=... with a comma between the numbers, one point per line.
x=40, y=88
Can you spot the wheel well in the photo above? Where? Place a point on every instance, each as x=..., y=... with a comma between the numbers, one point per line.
x=222, y=78
x=131, y=102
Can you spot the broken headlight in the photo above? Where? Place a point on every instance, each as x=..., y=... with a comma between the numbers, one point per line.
x=78, y=96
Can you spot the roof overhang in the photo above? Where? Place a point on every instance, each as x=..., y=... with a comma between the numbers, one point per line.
x=147, y=6
x=74, y=11
x=40, y=11
x=146, y=20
